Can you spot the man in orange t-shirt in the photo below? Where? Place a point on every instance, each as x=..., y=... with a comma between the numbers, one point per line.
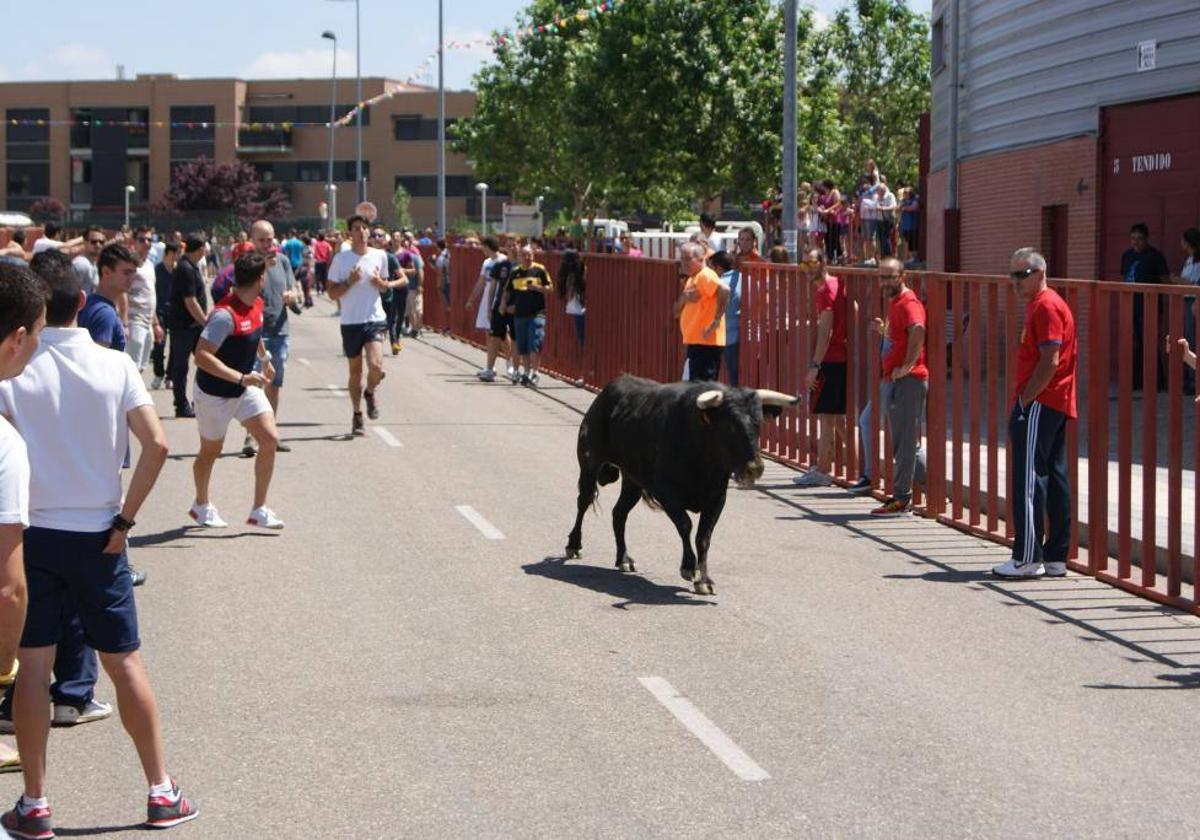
x=700, y=309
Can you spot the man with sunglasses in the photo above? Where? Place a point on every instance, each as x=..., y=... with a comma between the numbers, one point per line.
x=84, y=264
x=827, y=366
x=1037, y=427
x=144, y=332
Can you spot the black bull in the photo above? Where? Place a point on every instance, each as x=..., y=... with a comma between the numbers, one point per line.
x=676, y=447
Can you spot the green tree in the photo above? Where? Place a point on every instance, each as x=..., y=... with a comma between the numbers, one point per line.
x=400, y=203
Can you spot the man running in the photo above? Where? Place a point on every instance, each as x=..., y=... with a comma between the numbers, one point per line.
x=356, y=278
x=228, y=388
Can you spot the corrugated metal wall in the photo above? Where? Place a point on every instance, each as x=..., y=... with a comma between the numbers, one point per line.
x=1033, y=71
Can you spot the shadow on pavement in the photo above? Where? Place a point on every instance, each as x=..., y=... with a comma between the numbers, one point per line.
x=100, y=829
x=1174, y=683
x=631, y=587
x=195, y=531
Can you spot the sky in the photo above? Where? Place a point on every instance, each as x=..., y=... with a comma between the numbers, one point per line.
x=276, y=39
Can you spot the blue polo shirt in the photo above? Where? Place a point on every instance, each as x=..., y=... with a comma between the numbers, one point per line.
x=99, y=317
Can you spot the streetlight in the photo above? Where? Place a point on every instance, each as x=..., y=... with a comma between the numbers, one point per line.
x=358, y=172
x=483, y=188
x=441, y=209
x=129, y=190
x=330, y=189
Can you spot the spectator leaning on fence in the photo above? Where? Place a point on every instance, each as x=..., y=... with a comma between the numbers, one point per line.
x=722, y=263
x=700, y=309
x=1037, y=427
x=907, y=378
x=1143, y=263
x=826, y=377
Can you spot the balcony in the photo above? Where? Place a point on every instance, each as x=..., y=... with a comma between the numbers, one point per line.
x=264, y=140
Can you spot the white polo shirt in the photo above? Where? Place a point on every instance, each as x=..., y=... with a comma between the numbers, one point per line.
x=361, y=304
x=14, y=477
x=70, y=406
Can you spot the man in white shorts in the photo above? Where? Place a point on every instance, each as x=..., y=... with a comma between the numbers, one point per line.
x=228, y=388
x=356, y=277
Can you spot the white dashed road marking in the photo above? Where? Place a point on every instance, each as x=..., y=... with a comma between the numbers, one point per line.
x=304, y=361
x=337, y=389
x=476, y=518
x=704, y=729
x=387, y=437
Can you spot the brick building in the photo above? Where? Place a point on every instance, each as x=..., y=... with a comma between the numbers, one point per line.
x=160, y=120
x=1058, y=124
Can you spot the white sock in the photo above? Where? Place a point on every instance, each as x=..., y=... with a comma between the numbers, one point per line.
x=27, y=804
x=163, y=789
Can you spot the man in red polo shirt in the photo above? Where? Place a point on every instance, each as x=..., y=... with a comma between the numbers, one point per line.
x=1037, y=428
x=906, y=381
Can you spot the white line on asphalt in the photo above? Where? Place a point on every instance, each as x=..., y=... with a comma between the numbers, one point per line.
x=304, y=361
x=387, y=437
x=476, y=518
x=337, y=389
x=704, y=729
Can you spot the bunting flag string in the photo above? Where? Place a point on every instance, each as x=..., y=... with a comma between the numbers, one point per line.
x=495, y=42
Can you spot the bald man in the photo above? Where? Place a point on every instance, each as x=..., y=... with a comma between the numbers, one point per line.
x=280, y=293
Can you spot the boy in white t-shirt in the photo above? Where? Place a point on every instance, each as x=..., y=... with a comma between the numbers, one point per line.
x=356, y=278
x=22, y=316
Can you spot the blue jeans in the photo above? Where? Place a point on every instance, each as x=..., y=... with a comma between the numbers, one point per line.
x=731, y=363
x=277, y=346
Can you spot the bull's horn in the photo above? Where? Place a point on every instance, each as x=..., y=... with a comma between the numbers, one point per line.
x=768, y=397
x=710, y=399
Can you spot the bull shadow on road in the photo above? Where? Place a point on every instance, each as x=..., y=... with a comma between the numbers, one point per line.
x=193, y=532
x=631, y=588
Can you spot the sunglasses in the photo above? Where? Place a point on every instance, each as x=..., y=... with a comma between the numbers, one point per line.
x=95, y=241
x=1022, y=274
x=145, y=239
x=889, y=276
x=810, y=264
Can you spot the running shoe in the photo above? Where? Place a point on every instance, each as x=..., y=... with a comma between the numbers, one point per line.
x=249, y=450
x=396, y=348
x=33, y=824
x=282, y=447
x=171, y=810
x=812, y=478
x=1012, y=571
x=486, y=375
x=156, y=383
x=136, y=576
x=67, y=715
x=372, y=406
x=207, y=516
x=863, y=485
x=1053, y=569
x=264, y=517
x=894, y=507
x=357, y=427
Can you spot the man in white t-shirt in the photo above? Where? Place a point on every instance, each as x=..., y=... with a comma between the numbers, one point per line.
x=75, y=391
x=22, y=316
x=144, y=330
x=356, y=278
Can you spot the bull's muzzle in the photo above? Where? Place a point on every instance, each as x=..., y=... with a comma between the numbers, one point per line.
x=752, y=473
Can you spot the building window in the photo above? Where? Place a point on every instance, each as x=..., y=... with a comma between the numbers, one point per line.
x=27, y=150
x=193, y=134
x=408, y=127
x=81, y=180
x=308, y=171
x=425, y=186
x=937, y=46
x=28, y=180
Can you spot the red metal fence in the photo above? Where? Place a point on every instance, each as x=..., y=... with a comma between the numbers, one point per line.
x=1130, y=493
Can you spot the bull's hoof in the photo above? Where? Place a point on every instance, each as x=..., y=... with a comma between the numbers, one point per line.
x=704, y=587
x=626, y=564
x=574, y=553
x=687, y=573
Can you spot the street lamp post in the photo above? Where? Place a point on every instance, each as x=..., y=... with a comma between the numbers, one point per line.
x=330, y=189
x=483, y=188
x=789, y=127
x=358, y=169
x=129, y=191
x=441, y=127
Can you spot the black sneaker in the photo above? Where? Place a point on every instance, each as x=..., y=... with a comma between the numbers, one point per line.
x=525, y=380
x=186, y=412
x=357, y=427
x=31, y=825
x=170, y=811
x=372, y=406
x=249, y=450
x=863, y=485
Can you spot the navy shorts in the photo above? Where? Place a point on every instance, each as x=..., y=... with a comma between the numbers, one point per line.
x=530, y=334
x=65, y=569
x=502, y=326
x=357, y=336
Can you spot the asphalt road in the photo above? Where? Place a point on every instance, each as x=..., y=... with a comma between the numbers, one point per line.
x=411, y=657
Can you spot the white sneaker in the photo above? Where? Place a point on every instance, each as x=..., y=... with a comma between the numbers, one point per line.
x=207, y=516
x=1010, y=569
x=264, y=517
x=1055, y=569
x=485, y=375
x=156, y=383
x=813, y=478
x=67, y=715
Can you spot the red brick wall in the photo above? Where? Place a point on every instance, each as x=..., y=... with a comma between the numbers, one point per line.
x=1002, y=196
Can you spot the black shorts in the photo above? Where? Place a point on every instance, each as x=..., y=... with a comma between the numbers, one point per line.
x=829, y=396
x=502, y=325
x=357, y=336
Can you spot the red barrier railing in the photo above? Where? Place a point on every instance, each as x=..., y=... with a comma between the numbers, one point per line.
x=1122, y=477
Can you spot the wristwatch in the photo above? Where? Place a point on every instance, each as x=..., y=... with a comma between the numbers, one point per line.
x=120, y=523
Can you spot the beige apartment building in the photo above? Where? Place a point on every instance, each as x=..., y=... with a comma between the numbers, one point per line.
x=85, y=142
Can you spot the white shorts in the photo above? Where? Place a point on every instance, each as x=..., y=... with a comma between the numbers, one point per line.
x=214, y=413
